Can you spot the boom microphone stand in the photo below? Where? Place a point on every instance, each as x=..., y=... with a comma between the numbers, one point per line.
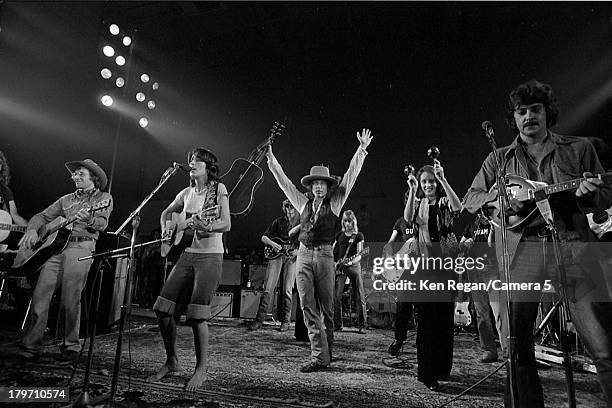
x=126, y=309
x=504, y=204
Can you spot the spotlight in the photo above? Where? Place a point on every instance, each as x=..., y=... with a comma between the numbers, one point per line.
x=144, y=78
x=155, y=86
x=108, y=51
x=143, y=122
x=120, y=82
x=106, y=100
x=106, y=73
x=127, y=41
x=114, y=29
x=120, y=60
x=140, y=97
x=151, y=104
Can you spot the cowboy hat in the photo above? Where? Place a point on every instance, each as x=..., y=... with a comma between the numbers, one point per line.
x=93, y=168
x=319, y=173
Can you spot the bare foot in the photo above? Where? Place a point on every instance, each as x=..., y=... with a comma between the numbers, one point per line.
x=169, y=367
x=199, y=376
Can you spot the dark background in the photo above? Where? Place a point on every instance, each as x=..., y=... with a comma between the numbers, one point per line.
x=417, y=74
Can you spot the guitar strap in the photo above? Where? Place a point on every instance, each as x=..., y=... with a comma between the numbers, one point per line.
x=348, y=247
x=544, y=206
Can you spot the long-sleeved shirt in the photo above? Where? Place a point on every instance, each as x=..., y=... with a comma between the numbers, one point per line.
x=567, y=158
x=67, y=206
x=340, y=195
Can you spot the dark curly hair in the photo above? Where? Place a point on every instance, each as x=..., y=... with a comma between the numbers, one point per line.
x=5, y=173
x=208, y=157
x=529, y=93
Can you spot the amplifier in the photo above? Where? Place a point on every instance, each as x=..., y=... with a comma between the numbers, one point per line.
x=222, y=304
x=249, y=303
x=232, y=272
x=381, y=302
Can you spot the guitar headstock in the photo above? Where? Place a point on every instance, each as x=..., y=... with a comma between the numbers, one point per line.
x=276, y=130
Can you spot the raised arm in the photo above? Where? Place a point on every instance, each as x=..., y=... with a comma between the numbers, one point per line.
x=409, y=208
x=349, y=178
x=298, y=200
x=453, y=200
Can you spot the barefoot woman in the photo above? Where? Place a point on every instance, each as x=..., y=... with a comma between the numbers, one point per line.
x=198, y=267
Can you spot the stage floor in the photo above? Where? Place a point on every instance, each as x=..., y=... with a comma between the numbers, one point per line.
x=261, y=369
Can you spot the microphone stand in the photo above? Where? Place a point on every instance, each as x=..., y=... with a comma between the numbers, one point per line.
x=563, y=303
x=504, y=204
x=126, y=308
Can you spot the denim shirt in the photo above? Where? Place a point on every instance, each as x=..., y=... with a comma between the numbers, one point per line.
x=67, y=206
x=568, y=159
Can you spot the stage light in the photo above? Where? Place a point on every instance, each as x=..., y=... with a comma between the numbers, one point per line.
x=127, y=41
x=151, y=104
x=106, y=100
x=120, y=82
x=114, y=29
x=143, y=122
x=120, y=60
x=108, y=51
x=144, y=78
x=106, y=73
x=140, y=97
x=155, y=86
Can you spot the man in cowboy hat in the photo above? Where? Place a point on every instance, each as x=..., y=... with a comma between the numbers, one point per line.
x=319, y=213
x=63, y=268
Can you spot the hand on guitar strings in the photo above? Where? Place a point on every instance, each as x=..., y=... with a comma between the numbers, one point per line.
x=588, y=186
x=29, y=239
x=84, y=216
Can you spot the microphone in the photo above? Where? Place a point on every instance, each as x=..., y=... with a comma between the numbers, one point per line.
x=487, y=126
x=182, y=166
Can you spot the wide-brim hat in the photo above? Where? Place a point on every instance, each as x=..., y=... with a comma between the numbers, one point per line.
x=93, y=168
x=319, y=173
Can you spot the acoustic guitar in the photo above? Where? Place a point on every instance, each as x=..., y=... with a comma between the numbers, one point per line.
x=179, y=235
x=524, y=191
x=245, y=176
x=6, y=225
x=52, y=241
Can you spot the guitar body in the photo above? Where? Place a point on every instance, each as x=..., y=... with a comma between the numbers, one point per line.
x=393, y=275
x=241, y=181
x=271, y=253
x=522, y=190
x=33, y=258
x=5, y=218
x=177, y=239
x=463, y=316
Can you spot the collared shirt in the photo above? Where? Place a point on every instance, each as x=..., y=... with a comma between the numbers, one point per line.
x=67, y=206
x=340, y=195
x=569, y=158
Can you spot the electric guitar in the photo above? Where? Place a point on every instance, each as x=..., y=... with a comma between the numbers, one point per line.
x=600, y=223
x=393, y=275
x=6, y=225
x=524, y=191
x=463, y=317
x=271, y=253
x=179, y=234
x=52, y=241
x=343, y=263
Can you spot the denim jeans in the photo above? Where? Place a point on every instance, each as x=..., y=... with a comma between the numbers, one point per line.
x=62, y=269
x=287, y=265
x=315, y=283
x=589, y=314
x=354, y=274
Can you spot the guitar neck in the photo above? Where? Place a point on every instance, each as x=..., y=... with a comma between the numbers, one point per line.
x=571, y=184
x=13, y=227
